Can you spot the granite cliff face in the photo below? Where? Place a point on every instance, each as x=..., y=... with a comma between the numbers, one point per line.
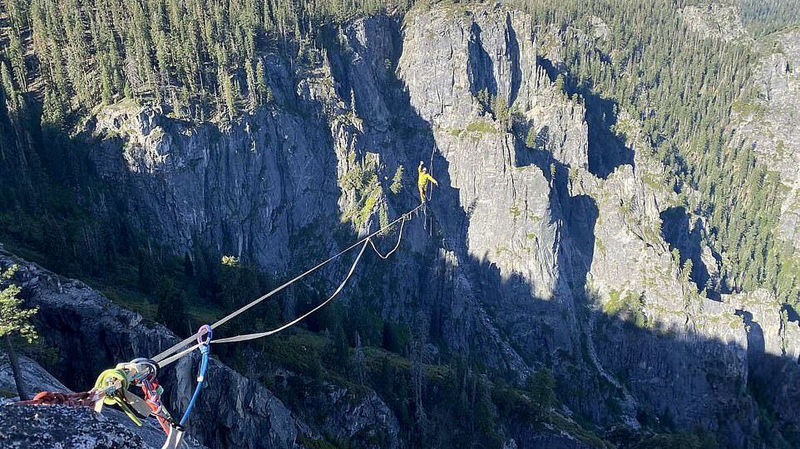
x=89, y=330
x=546, y=250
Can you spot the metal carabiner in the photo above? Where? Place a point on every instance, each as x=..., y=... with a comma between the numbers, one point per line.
x=204, y=335
x=142, y=369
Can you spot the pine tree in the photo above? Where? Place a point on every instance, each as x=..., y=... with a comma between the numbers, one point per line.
x=559, y=83
x=359, y=360
x=340, y=352
x=541, y=385
x=15, y=53
x=228, y=93
x=261, y=83
x=147, y=274
x=188, y=266
x=252, y=89
x=8, y=87
x=52, y=108
x=171, y=306
x=14, y=320
x=530, y=139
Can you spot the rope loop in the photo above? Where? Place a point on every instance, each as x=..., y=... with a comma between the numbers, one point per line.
x=142, y=369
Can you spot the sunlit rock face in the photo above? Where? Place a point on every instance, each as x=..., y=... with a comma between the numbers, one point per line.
x=715, y=20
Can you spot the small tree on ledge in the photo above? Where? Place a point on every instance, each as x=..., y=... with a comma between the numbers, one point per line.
x=14, y=320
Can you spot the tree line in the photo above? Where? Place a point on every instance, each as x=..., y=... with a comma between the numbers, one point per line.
x=181, y=53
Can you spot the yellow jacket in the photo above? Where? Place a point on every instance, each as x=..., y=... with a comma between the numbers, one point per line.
x=423, y=178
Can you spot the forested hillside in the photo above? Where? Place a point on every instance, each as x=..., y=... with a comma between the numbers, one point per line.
x=603, y=224
x=764, y=17
x=200, y=57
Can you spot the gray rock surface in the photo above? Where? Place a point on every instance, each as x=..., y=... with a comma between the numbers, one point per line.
x=35, y=377
x=715, y=20
x=239, y=189
x=62, y=427
x=38, y=379
x=342, y=413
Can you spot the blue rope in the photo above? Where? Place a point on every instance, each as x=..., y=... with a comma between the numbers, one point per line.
x=200, y=378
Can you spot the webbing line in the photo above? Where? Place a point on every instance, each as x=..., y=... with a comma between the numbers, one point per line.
x=254, y=336
x=246, y=337
x=166, y=357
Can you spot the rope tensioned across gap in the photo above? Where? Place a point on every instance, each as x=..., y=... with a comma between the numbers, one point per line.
x=246, y=337
x=254, y=336
x=177, y=351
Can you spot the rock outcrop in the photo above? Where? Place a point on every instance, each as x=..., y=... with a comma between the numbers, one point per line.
x=34, y=376
x=341, y=413
x=47, y=427
x=715, y=20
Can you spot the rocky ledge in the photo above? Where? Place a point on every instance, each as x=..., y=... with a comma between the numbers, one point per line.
x=61, y=426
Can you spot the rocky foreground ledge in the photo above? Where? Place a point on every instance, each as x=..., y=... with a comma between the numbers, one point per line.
x=67, y=427
x=91, y=333
x=61, y=426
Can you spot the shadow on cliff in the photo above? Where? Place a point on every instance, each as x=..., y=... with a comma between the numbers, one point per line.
x=479, y=70
x=473, y=309
x=686, y=237
x=578, y=213
x=499, y=304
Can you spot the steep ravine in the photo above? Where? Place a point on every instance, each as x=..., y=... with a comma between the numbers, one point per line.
x=530, y=257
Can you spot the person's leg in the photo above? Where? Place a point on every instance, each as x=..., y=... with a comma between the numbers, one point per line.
x=422, y=194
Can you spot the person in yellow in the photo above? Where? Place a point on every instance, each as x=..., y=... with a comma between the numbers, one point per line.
x=422, y=181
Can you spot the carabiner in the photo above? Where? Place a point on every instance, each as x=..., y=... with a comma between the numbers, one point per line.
x=204, y=335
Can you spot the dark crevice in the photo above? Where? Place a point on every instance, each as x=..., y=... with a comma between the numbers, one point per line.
x=679, y=233
x=513, y=54
x=791, y=313
x=480, y=69
x=755, y=342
